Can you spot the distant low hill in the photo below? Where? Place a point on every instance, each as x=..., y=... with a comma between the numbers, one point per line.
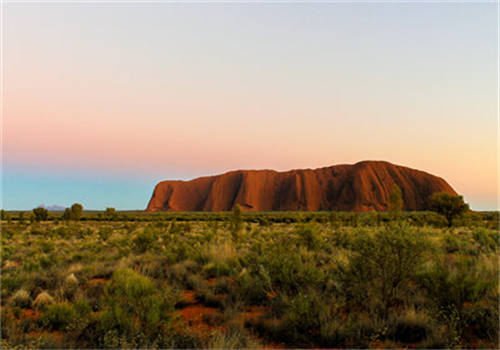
x=364, y=186
x=54, y=207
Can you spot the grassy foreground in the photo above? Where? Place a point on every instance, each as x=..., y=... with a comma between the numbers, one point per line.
x=218, y=281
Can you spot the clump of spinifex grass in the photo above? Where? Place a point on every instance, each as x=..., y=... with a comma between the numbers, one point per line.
x=43, y=300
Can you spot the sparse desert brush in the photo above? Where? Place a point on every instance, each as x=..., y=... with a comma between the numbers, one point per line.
x=71, y=279
x=235, y=337
x=43, y=300
x=145, y=240
x=219, y=256
x=105, y=232
x=70, y=286
x=75, y=268
x=487, y=239
x=309, y=235
x=193, y=281
x=178, y=272
x=151, y=265
x=39, y=281
x=58, y=316
x=9, y=264
x=450, y=284
x=288, y=286
x=135, y=304
x=304, y=313
x=373, y=275
x=21, y=298
x=82, y=307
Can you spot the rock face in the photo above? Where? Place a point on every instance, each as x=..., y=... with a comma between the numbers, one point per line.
x=364, y=186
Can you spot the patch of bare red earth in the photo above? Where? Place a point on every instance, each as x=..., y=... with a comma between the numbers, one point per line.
x=99, y=280
x=194, y=313
x=58, y=336
x=31, y=315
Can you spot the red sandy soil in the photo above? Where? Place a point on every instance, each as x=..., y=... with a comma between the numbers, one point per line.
x=189, y=297
x=254, y=312
x=9, y=264
x=56, y=334
x=364, y=186
x=193, y=316
x=31, y=315
x=194, y=312
x=213, y=281
x=95, y=281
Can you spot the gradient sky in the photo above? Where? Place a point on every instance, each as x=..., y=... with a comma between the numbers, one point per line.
x=102, y=101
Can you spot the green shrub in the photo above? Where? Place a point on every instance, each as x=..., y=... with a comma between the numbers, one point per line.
x=58, y=316
x=395, y=204
x=236, y=221
x=450, y=206
x=76, y=211
x=40, y=214
x=309, y=235
x=451, y=284
x=252, y=289
x=110, y=213
x=381, y=268
x=135, y=305
x=70, y=286
x=105, y=232
x=487, y=239
x=303, y=317
x=481, y=322
x=21, y=298
x=145, y=240
x=82, y=307
x=235, y=337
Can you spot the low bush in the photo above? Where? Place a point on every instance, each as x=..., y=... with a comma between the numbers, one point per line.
x=145, y=239
x=452, y=284
x=309, y=235
x=21, y=298
x=381, y=268
x=105, y=232
x=134, y=305
x=58, y=316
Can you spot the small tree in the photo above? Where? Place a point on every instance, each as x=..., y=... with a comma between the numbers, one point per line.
x=395, y=199
x=110, y=213
x=67, y=214
x=448, y=205
x=3, y=215
x=41, y=214
x=76, y=211
x=236, y=221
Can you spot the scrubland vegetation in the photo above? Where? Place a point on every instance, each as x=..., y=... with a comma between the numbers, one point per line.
x=248, y=280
